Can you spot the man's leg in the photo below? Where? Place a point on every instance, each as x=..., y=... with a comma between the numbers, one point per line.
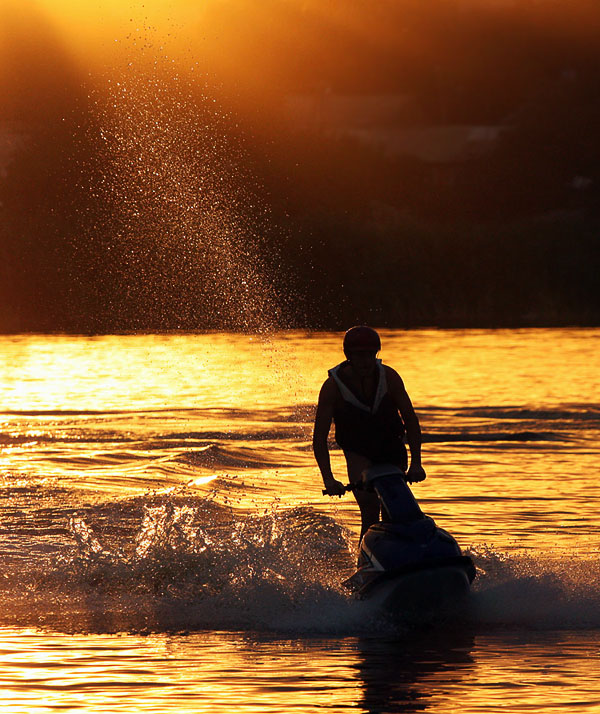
x=368, y=501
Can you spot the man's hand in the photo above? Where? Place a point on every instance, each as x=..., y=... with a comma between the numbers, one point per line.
x=415, y=473
x=334, y=488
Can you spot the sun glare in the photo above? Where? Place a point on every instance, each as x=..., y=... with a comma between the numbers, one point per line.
x=93, y=29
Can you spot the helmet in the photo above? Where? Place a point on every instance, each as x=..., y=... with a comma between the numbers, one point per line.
x=361, y=337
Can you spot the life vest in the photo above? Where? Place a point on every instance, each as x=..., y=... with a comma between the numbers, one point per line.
x=374, y=431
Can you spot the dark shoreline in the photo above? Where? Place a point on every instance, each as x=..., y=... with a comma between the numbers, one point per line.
x=295, y=328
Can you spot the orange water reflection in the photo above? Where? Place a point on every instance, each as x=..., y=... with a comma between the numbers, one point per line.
x=252, y=398
x=106, y=419
x=219, y=672
x=440, y=367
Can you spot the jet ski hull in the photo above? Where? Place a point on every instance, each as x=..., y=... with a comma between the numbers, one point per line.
x=406, y=563
x=436, y=590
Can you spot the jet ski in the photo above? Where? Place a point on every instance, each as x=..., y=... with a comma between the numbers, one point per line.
x=406, y=563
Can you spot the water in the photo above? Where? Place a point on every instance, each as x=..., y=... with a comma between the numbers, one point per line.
x=165, y=544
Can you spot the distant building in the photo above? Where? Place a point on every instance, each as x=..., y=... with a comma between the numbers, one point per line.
x=326, y=111
x=393, y=125
x=14, y=134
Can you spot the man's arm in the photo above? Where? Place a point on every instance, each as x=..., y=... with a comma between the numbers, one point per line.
x=323, y=419
x=411, y=422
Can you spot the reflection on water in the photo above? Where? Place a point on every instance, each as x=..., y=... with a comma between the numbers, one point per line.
x=509, y=418
x=395, y=674
x=510, y=671
x=163, y=487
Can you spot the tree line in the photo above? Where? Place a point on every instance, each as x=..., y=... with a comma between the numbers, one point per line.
x=319, y=230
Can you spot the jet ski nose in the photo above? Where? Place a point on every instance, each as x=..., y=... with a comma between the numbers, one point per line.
x=397, y=499
x=406, y=561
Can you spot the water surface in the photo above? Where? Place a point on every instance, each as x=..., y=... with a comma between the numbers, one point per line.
x=166, y=546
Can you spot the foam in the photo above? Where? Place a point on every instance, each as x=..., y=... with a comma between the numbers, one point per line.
x=179, y=562
x=535, y=592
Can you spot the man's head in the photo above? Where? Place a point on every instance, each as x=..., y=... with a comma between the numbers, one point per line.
x=361, y=339
x=361, y=345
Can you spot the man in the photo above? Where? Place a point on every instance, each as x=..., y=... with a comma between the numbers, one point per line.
x=371, y=410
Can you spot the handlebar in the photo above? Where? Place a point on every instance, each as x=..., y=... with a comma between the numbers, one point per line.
x=349, y=487
x=361, y=486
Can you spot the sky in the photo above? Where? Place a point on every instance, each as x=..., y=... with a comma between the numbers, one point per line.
x=280, y=45
x=530, y=66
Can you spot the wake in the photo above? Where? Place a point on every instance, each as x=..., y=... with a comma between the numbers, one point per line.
x=166, y=564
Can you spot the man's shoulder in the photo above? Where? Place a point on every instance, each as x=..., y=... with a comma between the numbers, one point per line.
x=393, y=378
x=390, y=371
x=327, y=397
x=329, y=387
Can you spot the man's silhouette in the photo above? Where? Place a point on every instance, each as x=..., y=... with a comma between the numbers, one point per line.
x=372, y=412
